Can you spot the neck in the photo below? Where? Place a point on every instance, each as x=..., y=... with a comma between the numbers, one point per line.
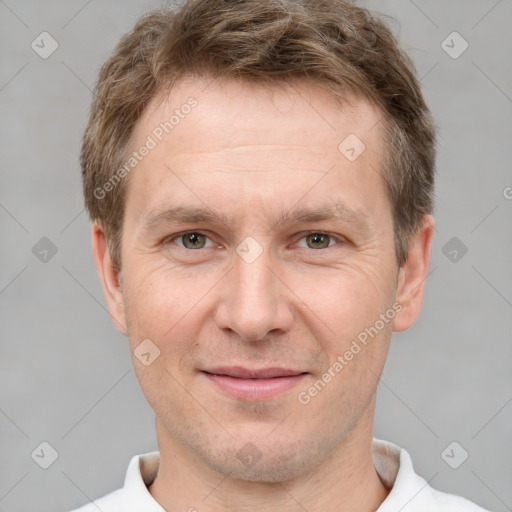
x=345, y=481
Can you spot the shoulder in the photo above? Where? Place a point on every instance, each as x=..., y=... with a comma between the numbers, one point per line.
x=452, y=503
x=409, y=492
x=134, y=495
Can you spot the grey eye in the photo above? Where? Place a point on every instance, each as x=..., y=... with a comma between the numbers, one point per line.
x=193, y=240
x=318, y=240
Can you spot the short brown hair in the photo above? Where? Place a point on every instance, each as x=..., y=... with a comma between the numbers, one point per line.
x=332, y=43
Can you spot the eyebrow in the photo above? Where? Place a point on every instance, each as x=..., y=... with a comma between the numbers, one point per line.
x=338, y=212
x=191, y=215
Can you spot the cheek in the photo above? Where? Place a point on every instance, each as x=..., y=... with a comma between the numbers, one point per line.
x=163, y=305
x=158, y=293
x=348, y=299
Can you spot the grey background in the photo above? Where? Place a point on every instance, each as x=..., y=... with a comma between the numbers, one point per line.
x=65, y=372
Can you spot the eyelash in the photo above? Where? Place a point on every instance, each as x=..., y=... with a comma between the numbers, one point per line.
x=339, y=240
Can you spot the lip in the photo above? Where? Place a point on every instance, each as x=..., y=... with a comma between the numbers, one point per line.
x=252, y=385
x=240, y=372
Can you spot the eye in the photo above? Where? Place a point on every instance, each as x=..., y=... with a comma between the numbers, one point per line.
x=319, y=240
x=193, y=240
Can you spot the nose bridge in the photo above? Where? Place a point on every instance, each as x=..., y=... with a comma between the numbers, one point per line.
x=253, y=279
x=255, y=303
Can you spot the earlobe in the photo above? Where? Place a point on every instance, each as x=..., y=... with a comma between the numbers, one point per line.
x=412, y=276
x=110, y=278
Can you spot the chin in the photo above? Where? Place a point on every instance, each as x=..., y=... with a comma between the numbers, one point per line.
x=264, y=461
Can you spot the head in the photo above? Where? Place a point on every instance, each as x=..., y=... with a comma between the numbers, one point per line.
x=260, y=180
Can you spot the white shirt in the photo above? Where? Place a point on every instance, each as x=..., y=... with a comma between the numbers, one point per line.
x=409, y=493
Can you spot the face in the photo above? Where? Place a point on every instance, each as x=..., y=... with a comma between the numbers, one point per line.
x=258, y=260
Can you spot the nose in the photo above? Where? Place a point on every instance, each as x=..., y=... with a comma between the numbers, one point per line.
x=254, y=300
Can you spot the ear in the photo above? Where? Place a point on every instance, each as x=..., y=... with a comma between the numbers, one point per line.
x=110, y=278
x=412, y=276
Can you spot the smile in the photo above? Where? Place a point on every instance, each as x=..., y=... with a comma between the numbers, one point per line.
x=253, y=385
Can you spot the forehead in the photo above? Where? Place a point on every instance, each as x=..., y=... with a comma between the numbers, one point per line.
x=254, y=139
x=236, y=109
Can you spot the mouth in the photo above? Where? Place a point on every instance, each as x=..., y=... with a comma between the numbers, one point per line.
x=252, y=385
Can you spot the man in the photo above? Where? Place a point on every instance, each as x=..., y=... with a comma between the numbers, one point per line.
x=259, y=175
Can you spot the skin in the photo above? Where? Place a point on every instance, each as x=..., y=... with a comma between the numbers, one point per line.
x=249, y=153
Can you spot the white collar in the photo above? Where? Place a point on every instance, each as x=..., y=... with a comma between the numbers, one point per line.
x=393, y=464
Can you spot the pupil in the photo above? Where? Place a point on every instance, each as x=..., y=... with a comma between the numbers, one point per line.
x=318, y=239
x=194, y=239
